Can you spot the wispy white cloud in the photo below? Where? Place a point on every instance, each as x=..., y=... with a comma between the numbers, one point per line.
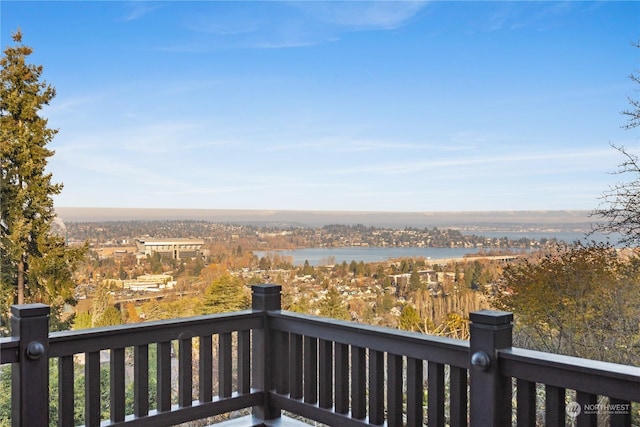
x=493, y=164
x=293, y=41
x=302, y=146
x=261, y=25
x=371, y=145
x=227, y=22
x=540, y=16
x=336, y=144
x=73, y=104
x=271, y=184
x=153, y=138
x=137, y=9
x=359, y=15
x=101, y=163
x=170, y=136
x=289, y=24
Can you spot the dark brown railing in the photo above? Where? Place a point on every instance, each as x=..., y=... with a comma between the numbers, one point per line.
x=334, y=372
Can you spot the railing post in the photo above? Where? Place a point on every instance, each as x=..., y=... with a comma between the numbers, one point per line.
x=490, y=394
x=265, y=298
x=30, y=377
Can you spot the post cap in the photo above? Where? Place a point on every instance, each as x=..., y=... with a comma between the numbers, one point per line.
x=491, y=317
x=266, y=288
x=30, y=310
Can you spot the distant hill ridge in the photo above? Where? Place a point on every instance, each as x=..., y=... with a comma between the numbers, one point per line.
x=497, y=219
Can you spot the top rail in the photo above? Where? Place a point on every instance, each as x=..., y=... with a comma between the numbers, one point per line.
x=9, y=350
x=443, y=350
x=66, y=343
x=590, y=376
x=87, y=340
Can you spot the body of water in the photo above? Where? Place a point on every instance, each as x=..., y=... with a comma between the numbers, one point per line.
x=565, y=236
x=323, y=256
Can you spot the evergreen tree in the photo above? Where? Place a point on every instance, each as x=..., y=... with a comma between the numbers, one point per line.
x=103, y=312
x=415, y=282
x=410, y=319
x=307, y=270
x=333, y=306
x=37, y=266
x=360, y=269
x=226, y=293
x=82, y=321
x=353, y=267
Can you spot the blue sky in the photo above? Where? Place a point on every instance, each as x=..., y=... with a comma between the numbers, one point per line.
x=347, y=106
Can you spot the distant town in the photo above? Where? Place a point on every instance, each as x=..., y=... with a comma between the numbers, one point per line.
x=141, y=261
x=273, y=237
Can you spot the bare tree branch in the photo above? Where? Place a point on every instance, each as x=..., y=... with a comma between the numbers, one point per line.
x=620, y=206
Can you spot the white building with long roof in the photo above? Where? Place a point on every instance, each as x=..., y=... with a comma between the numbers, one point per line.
x=173, y=248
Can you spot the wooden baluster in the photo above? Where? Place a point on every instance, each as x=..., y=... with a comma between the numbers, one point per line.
x=358, y=382
x=163, y=381
x=458, y=397
x=295, y=367
x=205, y=369
x=342, y=378
x=325, y=356
x=117, y=388
x=281, y=368
x=394, y=390
x=310, y=368
x=141, y=380
x=623, y=417
x=376, y=387
x=436, y=394
x=244, y=362
x=225, y=368
x=586, y=420
x=526, y=403
x=185, y=372
x=66, y=394
x=92, y=389
x=555, y=406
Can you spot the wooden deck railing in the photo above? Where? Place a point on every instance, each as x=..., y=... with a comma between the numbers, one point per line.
x=335, y=372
